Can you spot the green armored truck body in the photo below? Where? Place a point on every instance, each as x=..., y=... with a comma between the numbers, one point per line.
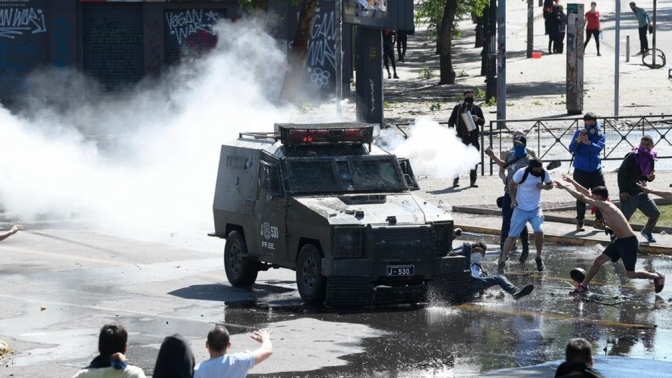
x=320, y=200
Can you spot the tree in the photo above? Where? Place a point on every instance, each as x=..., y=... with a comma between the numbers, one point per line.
x=297, y=54
x=434, y=13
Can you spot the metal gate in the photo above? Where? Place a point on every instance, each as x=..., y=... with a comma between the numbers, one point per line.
x=113, y=43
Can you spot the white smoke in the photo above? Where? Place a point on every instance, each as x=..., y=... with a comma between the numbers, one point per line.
x=145, y=159
x=433, y=149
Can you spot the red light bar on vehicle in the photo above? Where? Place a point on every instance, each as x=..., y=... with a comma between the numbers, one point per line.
x=324, y=134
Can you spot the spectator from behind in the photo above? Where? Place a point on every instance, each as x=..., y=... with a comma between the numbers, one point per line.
x=578, y=360
x=175, y=360
x=111, y=362
x=236, y=365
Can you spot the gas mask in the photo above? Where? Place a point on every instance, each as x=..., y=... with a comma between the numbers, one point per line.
x=591, y=129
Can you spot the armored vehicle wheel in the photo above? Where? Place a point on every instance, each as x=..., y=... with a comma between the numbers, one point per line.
x=309, y=279
x=241, y=271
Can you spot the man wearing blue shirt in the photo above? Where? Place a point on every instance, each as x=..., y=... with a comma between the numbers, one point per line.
x=644, y=23
x=235, y=365
x=586, y=146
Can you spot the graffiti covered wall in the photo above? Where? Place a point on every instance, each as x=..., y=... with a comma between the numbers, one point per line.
x=23, y=42
x=189, y=32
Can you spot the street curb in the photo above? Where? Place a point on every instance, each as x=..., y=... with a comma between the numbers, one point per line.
x=566, y=240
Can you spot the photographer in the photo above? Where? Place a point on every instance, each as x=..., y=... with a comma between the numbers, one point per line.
x=586, y=146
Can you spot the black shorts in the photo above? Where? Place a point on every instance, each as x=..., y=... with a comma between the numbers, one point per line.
x=625, y=249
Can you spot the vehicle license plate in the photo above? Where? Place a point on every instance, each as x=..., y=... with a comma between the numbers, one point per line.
x=400, y=270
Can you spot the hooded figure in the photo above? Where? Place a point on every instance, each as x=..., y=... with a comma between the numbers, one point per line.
x=175, y=360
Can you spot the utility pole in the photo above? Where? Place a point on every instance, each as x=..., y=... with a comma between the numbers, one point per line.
x=338, y=21
x=575, y=25
x=501, y=62
x=491, y=52
x=617, y=53
x=530, y=28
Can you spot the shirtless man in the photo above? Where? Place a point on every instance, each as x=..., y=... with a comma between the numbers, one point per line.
x=625, y=245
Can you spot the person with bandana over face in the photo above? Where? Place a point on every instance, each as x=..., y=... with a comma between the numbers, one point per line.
x=586, y=146
x=480, y=281
x=468, y=137
x=510, y=162
x=525, y=190
x=638, y=167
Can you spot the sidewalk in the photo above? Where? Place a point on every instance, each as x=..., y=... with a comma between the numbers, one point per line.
x=474, y=210
x=535, y=87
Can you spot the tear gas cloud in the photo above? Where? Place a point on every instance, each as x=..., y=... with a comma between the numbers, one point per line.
x=147, y=159
x=433, y=149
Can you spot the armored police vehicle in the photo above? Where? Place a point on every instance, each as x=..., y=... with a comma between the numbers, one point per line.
x=321, y=200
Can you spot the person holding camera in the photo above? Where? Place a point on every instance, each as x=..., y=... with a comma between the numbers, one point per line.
x=509, y=163
x=586, y=146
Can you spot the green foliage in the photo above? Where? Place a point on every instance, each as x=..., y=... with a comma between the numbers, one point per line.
x=435, y=107
x=480, y=93
x=491, y=102
x=462, y=74
x=425, y=73
x=537, y=102
x=386, y=104
x=430, y=12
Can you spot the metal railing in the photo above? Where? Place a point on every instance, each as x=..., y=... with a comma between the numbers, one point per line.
x=551, y=136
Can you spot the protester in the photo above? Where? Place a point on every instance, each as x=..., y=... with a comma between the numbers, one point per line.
x=525, y=190
x=388, y=52
x=644, y=25
x=593, y=28
x=16, y=228
x=236, y=365
x=469, y=137
x=638, y=166
x=111, y=362
x=509, y=163
x=480, y=280
x=578, y=361
x=624, y=246
x=586, y=146
x=175, y=359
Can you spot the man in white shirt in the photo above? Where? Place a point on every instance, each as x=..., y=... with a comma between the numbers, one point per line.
x=236, y=365
x=525, y=190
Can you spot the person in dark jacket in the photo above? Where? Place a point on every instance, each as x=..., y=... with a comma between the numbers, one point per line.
x=637, y=167
x=552, y=25
x=175, y=360
x=480, y=280
x=578, y=360
x=587, y=145
x=468, y=137
x=389, y=38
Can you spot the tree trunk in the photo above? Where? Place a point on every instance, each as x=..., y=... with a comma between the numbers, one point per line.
x=447, y=72
x=296, y=57
x=479, y=31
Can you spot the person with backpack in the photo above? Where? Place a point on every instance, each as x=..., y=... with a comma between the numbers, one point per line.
x=510, y=162
x=586, y=146
x=525, y=190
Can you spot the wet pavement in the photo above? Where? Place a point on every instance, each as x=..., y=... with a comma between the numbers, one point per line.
x=60, y=286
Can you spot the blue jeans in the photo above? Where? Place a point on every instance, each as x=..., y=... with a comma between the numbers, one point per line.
x=478, y=284
x=506, y=225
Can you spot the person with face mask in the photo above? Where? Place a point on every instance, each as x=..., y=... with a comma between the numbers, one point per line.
x=586, y=146
x=509, y=163
x=525, y=190
x=469, y=137
x=480, y=281
x=638, y=167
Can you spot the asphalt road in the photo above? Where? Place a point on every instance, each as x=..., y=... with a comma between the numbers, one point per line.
x=61, y=284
